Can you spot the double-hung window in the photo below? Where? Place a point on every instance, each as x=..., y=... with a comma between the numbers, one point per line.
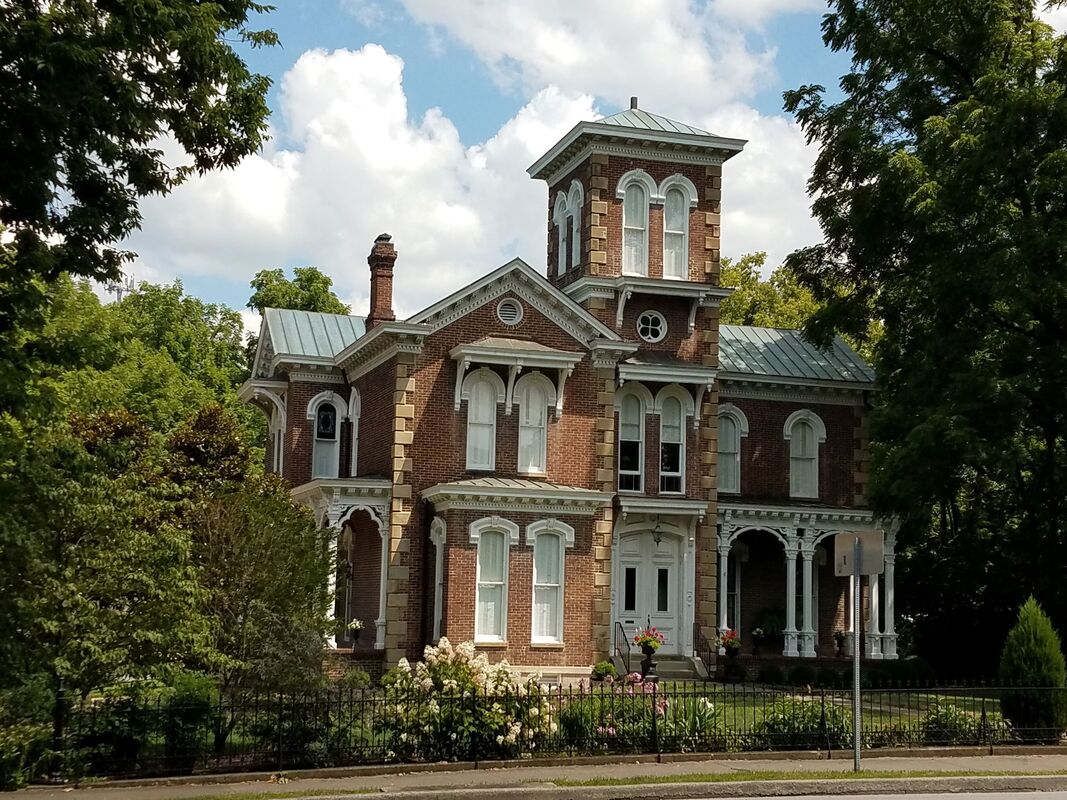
x=733, y=426
x=672, y=446
x=804, y=431
x=481, y=425
x=325, y=447
x=635, y=230
x=548, y=588
x=533, y=425
x=491, y=611
x=675, y=249
x=631, y=441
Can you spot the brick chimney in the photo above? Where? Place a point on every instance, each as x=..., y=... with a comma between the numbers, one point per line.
x=381, y=259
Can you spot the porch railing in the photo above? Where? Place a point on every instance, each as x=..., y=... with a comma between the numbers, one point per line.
x=622, y=641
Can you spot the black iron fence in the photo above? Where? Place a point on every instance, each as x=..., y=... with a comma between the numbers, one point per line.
x=124, y=737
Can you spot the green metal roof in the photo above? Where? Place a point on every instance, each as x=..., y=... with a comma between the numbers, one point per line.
x=644, y=121
x=311, y=334
x=779, y=353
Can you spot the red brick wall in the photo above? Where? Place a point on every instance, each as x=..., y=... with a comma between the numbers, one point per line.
x=375, y=453
x=765, y=452
x=300, y=432
x=461, y=571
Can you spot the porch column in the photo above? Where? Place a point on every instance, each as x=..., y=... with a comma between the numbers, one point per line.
x=889, y=638
x=807, y=632
x=874, y=634
x=383, y=582
x=331, y=589
x=790, y=633
x=724, y=555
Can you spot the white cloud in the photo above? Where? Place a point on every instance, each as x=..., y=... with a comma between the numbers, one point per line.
x=1056, y=16
x=669, y=52
x=755, y=13
x=360, y=167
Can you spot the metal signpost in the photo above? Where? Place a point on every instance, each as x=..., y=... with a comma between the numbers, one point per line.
x=856, y=555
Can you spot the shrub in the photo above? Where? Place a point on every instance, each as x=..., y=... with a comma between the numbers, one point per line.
x=454, y=704
x=829, y=678
x=1032, y=659
x=690, y=723
x=109, y=734
x=801, y=675
x=604, y=669
x=298, y=732
x=770, y=673
x=187, y=721
x=615, y=718
x=25, y=732
x=354, y=678
x=796, y=722
x=945, y=723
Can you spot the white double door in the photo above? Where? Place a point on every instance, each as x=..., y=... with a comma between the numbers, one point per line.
x=649, y=587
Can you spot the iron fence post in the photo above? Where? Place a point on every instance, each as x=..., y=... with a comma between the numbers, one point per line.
x=655, y=726
x=281, y=712
x=59, y=730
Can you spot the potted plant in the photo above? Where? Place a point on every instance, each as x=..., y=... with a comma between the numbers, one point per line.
x=730, y=642
x=649, y=640
x=840, y=637
x=354, y=627
x=758, y=635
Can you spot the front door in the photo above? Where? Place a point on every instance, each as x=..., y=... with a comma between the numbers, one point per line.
x=649, y=587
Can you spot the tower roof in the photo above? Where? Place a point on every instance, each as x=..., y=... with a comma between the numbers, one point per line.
x=640, y=133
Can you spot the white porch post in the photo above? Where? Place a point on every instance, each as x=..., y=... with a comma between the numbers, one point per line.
x=889, y=638
x=874, y=632
x=724, y=555
x=790, y=633
x=331, y=589
x=383, y=582
x=807, y=632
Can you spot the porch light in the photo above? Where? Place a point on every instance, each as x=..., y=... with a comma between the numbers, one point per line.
x=657, y=534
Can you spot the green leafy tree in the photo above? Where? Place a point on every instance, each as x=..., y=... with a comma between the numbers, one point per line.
x=91, y=90
x=1033, y=657
x=778, y=302
x=941, y=190
x=309, y=290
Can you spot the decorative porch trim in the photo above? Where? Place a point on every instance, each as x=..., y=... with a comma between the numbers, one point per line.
x=524, y=496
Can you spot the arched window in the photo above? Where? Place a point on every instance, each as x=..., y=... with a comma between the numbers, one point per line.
x=733, y=425
x=353, y=417
x=574, y=207
x=327, y=441
x=635, y=230
x=325, y=413
x=675, y=234
x=481, y=426
x=804, y=431
x=561, y=219
x=535, y=394
x=631, y=444
x=672, y=446
x=493, y=536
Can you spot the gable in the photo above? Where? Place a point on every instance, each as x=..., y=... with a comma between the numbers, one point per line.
x=521, y=280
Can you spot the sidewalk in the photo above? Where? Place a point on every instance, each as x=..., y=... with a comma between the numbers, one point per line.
x=538, y=781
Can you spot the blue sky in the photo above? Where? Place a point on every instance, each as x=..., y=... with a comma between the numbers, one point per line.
x=419, y=117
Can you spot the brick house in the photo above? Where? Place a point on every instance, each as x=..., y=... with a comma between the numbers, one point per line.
x=544, y=463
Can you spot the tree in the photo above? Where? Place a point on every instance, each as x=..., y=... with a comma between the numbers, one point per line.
x=941, y=190
x=92, y=91
x=309, y=290
x=1033, y=657
x=778, y=302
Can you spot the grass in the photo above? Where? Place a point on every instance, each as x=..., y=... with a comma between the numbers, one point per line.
x=780, y=775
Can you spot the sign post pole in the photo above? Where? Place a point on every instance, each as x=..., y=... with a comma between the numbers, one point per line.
x=856, y=621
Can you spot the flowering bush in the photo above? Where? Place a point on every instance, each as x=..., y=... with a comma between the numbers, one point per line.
x=729, y=640
x=455, y=705
x=649, y=637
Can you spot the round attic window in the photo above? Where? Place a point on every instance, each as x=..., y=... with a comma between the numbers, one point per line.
x=509, y=311
x=651, y=326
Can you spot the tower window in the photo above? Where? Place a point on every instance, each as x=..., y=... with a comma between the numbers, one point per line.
x=651, y=326
x=635, y=230
x=675, y=246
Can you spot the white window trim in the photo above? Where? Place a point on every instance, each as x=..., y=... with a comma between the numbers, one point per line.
x=550, y=397
x=741, y=422
x=644, y=398
x=642, y=178
x=511, y=539
x=354, y=410
x=549, y=527
x=575, y=199
x=497, y=383
x=819, y=429
x=277, y=438
x=438, y=536
x=689, y=196
x=559, y=219
x=340, y=407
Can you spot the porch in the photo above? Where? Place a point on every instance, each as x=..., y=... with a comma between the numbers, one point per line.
x=776, y=576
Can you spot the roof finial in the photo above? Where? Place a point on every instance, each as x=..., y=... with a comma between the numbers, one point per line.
x=633, y=101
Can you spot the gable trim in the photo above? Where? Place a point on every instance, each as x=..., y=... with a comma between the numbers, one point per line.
x=521, y=279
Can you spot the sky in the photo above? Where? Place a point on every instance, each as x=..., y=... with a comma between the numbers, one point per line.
x=419, y=118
